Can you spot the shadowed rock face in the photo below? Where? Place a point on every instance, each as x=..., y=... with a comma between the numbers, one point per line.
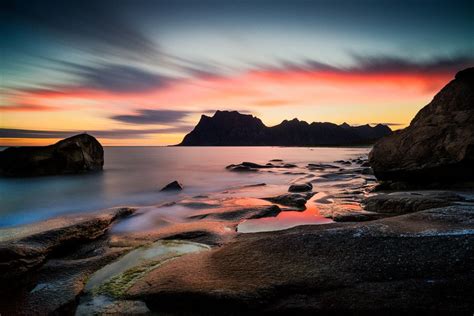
x=438, y=146
x=234, y=129
x=76, y=154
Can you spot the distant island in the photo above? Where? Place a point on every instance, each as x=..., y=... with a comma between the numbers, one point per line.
x=231, y=128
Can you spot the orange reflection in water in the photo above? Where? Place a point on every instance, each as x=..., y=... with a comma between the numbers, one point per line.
x=285, y=220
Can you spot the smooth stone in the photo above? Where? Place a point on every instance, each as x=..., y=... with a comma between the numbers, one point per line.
x=300, y=187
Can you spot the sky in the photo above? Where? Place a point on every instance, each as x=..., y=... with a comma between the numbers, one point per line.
x=137, y=72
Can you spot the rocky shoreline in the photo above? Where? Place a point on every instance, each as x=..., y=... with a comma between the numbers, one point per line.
x=396, y=246
x=380, y=249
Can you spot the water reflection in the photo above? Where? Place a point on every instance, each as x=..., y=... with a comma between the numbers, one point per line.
x=286, y=219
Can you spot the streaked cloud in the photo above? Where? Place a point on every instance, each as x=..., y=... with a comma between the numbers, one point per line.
x=27, y=107
x=380, y=65
x=111, y=134
x=144, y=116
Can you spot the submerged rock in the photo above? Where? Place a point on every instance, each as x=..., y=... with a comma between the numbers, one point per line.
x=300, y=187
x=240, y=168
x=173, y=186
x=252, y=166
x=438, y=146
x=76, y=154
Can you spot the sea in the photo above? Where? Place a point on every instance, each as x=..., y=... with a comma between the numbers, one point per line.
x=133, y=176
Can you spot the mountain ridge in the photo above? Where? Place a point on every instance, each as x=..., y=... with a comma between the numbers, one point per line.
x=231, y=128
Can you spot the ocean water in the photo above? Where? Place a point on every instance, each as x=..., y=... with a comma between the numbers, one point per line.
x=134, y=176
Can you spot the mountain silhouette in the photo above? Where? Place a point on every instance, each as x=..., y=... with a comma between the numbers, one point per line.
x=231, y=128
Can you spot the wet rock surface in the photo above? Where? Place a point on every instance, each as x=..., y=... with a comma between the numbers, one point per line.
x=25, y=248
x=409, y=202
x=77, y=154
x=438, y=146
x=44, y=266
x=404, y=263
x=241, y=213
x=291, y=199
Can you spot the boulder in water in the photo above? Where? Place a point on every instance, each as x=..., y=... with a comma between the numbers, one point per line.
x=173, y=186
x=76, y=154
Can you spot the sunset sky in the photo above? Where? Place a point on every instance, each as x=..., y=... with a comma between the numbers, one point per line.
x=142, y=72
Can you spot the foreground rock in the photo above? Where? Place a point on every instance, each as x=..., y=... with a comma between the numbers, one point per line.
x=77, y=154
x=438, y=146
x=173, y=186
x=408, y=202
x=43, y=266
x=417, y=262
x=25, y=248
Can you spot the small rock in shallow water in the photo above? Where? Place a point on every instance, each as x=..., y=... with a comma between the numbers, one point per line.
x=292, y=199
x=173, y=186
x=240, y=168
x=301, y=187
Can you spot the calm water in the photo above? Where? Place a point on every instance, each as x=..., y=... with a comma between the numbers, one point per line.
x=134, y=176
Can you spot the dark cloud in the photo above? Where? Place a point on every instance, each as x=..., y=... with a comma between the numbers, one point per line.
x=115, y=133
x=95, y=25
x=384, y=64
x=145, y=116
x=387, y=64
x=119, y=78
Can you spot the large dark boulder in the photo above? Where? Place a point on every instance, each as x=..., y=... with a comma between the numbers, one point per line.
x=438, y=146
x=76, y=154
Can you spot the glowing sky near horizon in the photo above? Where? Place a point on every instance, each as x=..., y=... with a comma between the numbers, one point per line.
x=142, y=72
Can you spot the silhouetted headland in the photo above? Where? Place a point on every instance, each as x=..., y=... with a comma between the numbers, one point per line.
x=231, y=128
